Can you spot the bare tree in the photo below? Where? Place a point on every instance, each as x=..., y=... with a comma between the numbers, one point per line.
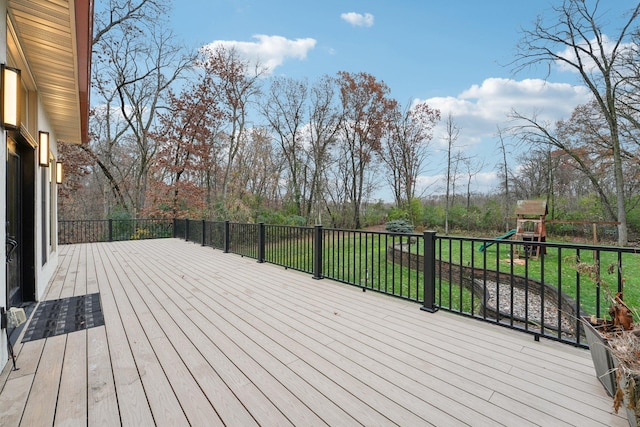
x=503, y=170
x=404, y=149
x=585, y=140
x=531, y=180
x=337, y=183
x=259, y=166
x=124, y=13
x=452, y=132
x=284, y=109
x=237, y=83
x=575, y=39
x=135, y=62
x=325, y=121
x=473, y=166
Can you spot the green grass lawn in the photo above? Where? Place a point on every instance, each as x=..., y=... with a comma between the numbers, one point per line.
x=558, y=268
x=361, y=259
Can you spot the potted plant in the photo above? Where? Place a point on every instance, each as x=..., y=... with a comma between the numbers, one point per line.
x=614, y=344
x=625, y=348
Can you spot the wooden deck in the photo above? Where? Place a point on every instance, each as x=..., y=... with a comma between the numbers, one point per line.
x=193, y=336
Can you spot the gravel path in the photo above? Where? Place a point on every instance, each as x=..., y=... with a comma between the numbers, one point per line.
x=534, y=309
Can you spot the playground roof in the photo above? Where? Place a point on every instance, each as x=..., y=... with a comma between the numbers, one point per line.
x=531, y=207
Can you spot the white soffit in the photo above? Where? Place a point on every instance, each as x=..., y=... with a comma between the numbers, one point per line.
x=46, y=32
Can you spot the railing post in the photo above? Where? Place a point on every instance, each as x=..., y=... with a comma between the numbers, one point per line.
x=429, y=272
x=175, y=233
x=110, y=230
x=186, y=229
x=261, y=242
x=227, y=237
x=317, y=252
x=204, y=232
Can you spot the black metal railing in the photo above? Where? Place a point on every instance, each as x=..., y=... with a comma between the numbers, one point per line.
x=109, y=230
x=539, y=288
x=244, y=239
x=290, y=247
x=542, y=291
x=374, y=260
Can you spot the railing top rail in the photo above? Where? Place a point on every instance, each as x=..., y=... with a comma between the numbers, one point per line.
x=300, y=227
x=347, y=230
x=580, y=246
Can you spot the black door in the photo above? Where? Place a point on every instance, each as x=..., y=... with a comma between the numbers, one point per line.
x=20, y=226
x=14, y=226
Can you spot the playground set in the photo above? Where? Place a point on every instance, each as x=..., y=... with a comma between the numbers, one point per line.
x=530, y=228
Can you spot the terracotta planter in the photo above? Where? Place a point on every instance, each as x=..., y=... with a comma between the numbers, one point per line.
x=601, y=355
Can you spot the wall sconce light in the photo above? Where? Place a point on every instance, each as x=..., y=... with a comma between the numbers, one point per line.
x=10, y=97
x=43, y=139
x=58, y=172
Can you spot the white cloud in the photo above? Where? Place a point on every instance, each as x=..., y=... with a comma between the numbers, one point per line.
x=593, y=45
x=268, y=51
x=479, y=110
x=358, y=19
x=485, y=181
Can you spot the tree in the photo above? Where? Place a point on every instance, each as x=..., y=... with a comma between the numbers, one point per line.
x=122, y=14
x=259, y=166
x=585, y=141
x=366, y=110
x=404, y=149
x=531, y=181
x=472, y=167
x=284, y=109
x=325, y=122
x=576, y=40
x=135, y=62
x=236, y=83
x=452, y=131
x=503, y=172
x=186, y=141
x=73, y=195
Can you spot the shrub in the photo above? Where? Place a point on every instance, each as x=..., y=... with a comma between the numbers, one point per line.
x=399, y=226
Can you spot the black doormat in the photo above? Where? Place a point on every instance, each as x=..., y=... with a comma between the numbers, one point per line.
x=62, y=316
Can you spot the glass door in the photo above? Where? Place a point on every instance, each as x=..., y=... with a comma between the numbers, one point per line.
x=14, y=226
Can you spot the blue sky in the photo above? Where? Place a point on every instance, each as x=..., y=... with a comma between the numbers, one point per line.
x=453, y=54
